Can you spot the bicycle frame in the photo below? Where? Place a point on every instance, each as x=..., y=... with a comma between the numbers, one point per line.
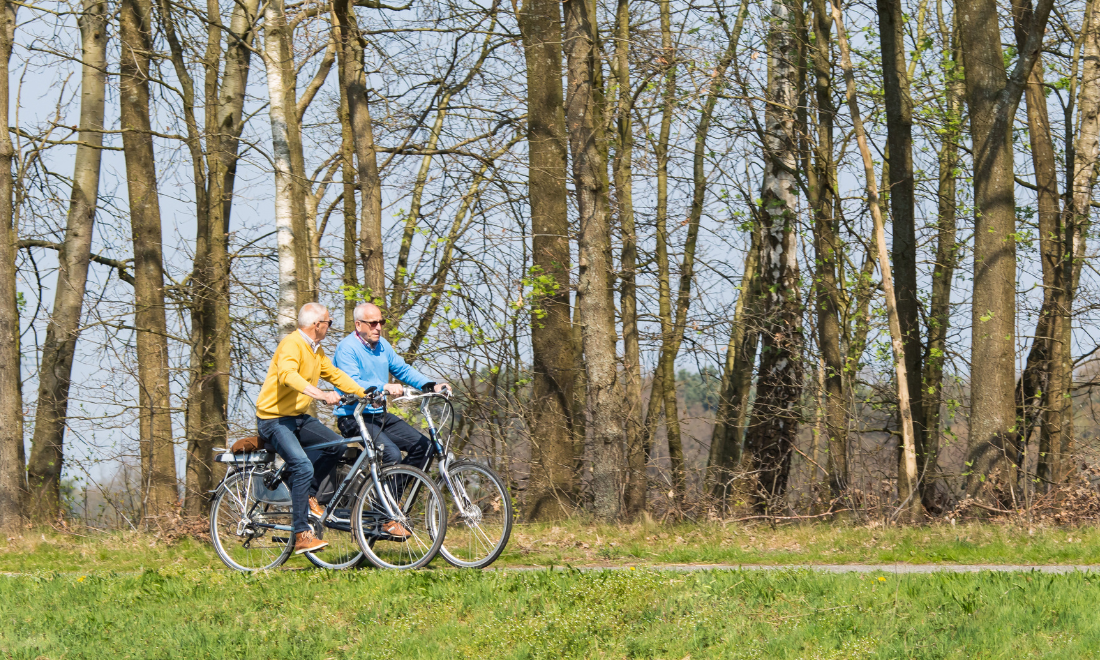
x=389, y=502
x=439, y=451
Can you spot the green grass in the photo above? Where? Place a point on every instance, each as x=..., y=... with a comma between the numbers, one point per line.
x=580, y=544
x=642, y=613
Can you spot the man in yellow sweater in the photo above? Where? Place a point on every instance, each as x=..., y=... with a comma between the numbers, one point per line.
x=282, y=422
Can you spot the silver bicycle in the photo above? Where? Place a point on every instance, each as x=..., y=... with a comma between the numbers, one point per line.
x=477, y=499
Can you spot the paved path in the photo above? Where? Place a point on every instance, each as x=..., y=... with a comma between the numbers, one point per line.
x=831, y=568
x=899, y=569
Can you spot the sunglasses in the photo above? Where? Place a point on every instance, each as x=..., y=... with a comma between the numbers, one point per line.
x=372, y=323
x=328, y=323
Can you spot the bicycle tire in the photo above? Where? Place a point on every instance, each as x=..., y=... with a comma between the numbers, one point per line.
x=419, y=499
x=233, y=538
x=342, y=551
x=475, y=539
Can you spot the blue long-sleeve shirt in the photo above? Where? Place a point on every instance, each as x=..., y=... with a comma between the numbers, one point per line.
x=371, y=366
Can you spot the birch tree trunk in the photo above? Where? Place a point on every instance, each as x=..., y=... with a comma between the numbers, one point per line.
x=47, y=446
x=159, y=491
x=771, y=434
x=289, y=202
x=552, y=486
x=12, y=478
x=587, y=140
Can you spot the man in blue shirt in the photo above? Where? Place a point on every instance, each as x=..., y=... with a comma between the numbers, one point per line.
x=369, y=360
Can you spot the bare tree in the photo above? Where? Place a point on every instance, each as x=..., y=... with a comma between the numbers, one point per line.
x=47, y=454
x=150, y=325
x=584, y=116
x=12, y=478
x=552, y=483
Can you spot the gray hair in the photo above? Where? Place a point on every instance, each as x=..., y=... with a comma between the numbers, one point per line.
x=361, y=310
x=310, y=314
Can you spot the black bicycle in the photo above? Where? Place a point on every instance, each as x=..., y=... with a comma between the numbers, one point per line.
x=394, y=515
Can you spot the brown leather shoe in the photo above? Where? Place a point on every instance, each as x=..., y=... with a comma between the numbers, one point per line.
x=394, y=528
x=315, y=507
x=307, y=542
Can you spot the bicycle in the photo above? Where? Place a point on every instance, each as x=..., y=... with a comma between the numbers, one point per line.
x=251, y=507
x=479, y=504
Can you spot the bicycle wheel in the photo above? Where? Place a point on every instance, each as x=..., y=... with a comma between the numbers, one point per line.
x=239, y=542
x=479, y=515
x=342, y=551
x=421, y=512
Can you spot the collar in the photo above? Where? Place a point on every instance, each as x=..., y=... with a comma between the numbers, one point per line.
x=367, y=343
x=314, y=346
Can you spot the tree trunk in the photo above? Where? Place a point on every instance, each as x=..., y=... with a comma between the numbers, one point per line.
x=349, y=52
x=47, y=455
x=1037, y=372
x=992, y=99
x=1058, y=414
x=208, y=398
x=943, y=273
x=551, y=489
x=289, y=203
x=158, y=462
x=771, y=435
x=587, y=141
x=622, y=167
x=821, y=178
x=729, y=425
x=899, y=130
x=669, y=345
x=347, y=171
x=909, y=498
x=12, y=478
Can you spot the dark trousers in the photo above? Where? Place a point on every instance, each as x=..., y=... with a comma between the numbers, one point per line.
x=292, y=439
x=393, y=435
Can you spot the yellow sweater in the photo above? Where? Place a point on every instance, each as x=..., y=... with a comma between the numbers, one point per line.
x=294, y=366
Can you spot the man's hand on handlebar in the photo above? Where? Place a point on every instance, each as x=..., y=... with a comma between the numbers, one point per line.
x=331, y=398
x=393, y=389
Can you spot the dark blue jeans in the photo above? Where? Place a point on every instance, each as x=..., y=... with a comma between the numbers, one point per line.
x=396, y=437
x=292, y=439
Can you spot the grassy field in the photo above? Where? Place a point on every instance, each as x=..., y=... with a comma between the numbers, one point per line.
x=591, y=545
x=643, y=613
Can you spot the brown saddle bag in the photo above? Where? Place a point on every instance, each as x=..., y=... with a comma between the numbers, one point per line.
x=246, y=445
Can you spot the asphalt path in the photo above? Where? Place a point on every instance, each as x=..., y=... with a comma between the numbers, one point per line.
x=828, y=568
x=898, y=569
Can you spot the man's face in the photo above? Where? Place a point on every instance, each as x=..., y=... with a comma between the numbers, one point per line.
x=321, y=327
x=370, y=328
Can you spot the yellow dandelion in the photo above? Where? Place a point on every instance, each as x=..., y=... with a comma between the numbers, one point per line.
x=881, y=579
x=81, y=578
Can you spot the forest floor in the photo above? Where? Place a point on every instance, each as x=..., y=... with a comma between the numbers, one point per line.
x=129, y=594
